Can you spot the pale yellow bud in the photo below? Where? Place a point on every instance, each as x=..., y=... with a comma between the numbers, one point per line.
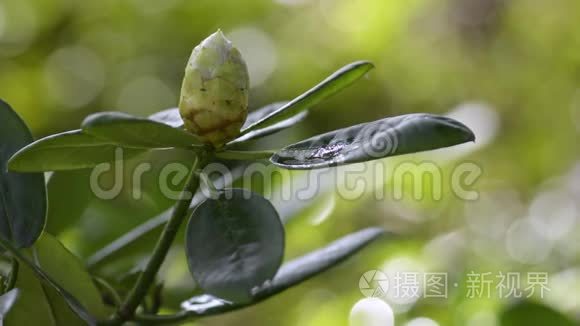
x=214, y=93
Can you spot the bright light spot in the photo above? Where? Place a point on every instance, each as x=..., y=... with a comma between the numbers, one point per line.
x=491, y=215
x=145, y=95
x=405, y=282
x=371, y=312
x=422, y=321
x=18, y=24
x=568, y=247
x=446, y=249
x=322, y=209
x=259, y=51
x=553, y=214
x=573, y=180
x=367, y=27
x=73, y=76
x=561, y=286
x=524, y=244
x=345, y=15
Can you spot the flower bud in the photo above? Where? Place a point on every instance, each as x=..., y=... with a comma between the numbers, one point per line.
x=214, y=93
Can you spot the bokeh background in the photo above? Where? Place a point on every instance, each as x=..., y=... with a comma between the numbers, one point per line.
x=508, y=69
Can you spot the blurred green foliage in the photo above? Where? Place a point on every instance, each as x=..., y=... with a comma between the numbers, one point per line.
x=516, y=62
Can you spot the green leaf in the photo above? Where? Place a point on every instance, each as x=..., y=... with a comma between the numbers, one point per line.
x=234, y=244
x=22, y=196
x=53, y=258
x=328, y=87
x=7, y=300
x=67, y=151
x=57, y=260
x=37, y=305
x=290, y=274
x=170, y=117
x=369, y=141
x=69, y=195
x=263, y=112
x=128, y=130
x=533, y=314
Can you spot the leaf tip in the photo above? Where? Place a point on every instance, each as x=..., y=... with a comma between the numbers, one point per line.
x=367, y=63
x=469, y=134
x=12, y=165
x=463, y=133
x=15, y=162
x=364, y=64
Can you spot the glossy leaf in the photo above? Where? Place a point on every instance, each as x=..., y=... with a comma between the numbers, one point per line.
x=530, y=313
x=263, y=112
x=128, y=130
x=328, y=87
x=68, y=151
x=69, y=195
x=170, y=117
x=290, y=274
x=369, y=141
x=22, y=196
x=234, y=245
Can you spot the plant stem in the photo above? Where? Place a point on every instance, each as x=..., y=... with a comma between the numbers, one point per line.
x=147, y=277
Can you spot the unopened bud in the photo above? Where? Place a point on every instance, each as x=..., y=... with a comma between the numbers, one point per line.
x=214, y=93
